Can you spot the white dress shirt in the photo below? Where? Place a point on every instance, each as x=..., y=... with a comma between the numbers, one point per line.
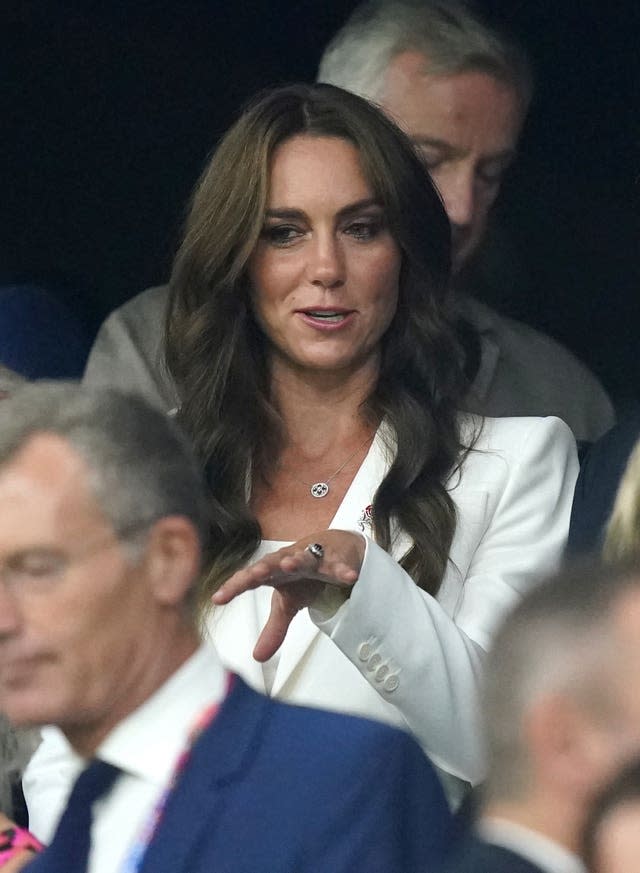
x=531, y=845
x=146, y=747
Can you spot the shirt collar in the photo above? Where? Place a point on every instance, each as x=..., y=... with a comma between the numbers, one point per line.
x=148, y=742
x=536, y=848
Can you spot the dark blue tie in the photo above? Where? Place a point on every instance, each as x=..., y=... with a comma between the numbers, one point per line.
x=69, y=849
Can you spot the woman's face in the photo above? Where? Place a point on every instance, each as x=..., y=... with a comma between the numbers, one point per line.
x=325, y=272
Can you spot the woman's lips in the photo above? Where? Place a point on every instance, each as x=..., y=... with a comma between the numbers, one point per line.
x=326, y=319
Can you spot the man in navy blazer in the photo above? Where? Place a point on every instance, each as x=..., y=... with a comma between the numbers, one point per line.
x=562, y=714
x=180, y=766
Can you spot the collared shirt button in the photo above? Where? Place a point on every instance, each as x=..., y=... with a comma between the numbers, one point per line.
x=374, y=662
x=364, y=652
x=391, y=683
x=381, y=673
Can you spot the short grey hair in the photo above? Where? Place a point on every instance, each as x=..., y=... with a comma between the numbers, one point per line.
x=450, y=33
x=141, y=466
x=559, y=639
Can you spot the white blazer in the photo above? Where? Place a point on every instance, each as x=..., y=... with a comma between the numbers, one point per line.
x=393, y=652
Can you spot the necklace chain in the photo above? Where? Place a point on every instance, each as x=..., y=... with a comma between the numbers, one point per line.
x=321, y=488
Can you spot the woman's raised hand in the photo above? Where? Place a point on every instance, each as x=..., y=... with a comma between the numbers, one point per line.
x=298, y=578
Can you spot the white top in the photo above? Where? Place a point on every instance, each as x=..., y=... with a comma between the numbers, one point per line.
x=145, y=746
x=393, y=652
x=531, y=845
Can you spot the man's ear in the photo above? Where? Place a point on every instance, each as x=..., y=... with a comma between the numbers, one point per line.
x=562, y=740
x=172, y=558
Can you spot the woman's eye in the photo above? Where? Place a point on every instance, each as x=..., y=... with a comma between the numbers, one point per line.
x=281, y=234
x=364, y=230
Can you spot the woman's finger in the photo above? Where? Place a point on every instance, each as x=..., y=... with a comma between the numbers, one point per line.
x=275, y=630
x=243, y=580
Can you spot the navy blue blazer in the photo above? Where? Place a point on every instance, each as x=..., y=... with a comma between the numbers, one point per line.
x=273, y=788
x=477, y=856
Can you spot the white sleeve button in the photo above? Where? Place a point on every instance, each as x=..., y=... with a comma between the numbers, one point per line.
x=374, y=663
x=381, y=673
x=391, y=683
x=364, y=652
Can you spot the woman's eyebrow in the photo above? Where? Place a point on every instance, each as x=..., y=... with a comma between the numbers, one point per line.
x=292, y=214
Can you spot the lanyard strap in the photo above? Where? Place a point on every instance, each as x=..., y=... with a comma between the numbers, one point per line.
x=133, y=861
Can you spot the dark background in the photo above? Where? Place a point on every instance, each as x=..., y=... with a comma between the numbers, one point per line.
x=110, y=109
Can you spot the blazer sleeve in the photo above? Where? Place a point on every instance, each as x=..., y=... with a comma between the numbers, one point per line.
x=425, y=654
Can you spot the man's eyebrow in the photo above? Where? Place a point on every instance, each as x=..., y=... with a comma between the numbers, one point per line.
x=441, y=144
x=506, y=155
x=349, y=209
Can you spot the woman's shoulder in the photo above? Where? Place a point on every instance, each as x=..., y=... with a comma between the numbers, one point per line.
x=520, y=455
x=510, y=433
x=507, y=444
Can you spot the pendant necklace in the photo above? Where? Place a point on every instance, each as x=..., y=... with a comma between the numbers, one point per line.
x=321, y=489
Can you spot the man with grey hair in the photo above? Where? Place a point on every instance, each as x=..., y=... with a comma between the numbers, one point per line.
x=103, y=526
x=461, y=90
x=562, y=714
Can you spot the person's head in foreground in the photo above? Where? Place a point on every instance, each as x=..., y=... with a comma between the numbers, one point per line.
x=458, y=86
x=563, y=699
x=100, y=542
x=315, y=260
x=611, y=837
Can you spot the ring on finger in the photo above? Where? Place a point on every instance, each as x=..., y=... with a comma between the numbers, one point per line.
x=316, y=550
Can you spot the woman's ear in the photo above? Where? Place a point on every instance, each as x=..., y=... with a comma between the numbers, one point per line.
x=172, y=558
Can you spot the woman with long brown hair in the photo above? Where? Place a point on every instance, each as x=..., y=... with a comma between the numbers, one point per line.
x=375, y=532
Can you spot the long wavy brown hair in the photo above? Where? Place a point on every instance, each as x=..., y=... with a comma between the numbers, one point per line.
x=217, y=354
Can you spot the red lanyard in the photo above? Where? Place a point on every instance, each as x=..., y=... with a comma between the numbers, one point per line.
x=134, y=859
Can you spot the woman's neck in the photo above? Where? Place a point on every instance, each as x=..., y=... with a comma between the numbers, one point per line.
x=320, y=410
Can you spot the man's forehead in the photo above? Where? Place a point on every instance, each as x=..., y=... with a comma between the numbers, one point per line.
x=434, y=105
x=48, y=466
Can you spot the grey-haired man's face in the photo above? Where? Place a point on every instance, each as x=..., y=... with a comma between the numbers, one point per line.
x=467, y=127
x=73, y=603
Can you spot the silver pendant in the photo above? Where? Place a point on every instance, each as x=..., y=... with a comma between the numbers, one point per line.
x=319, y=489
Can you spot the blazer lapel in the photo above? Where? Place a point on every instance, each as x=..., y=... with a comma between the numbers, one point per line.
x=195, y=807
x=350, y=516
